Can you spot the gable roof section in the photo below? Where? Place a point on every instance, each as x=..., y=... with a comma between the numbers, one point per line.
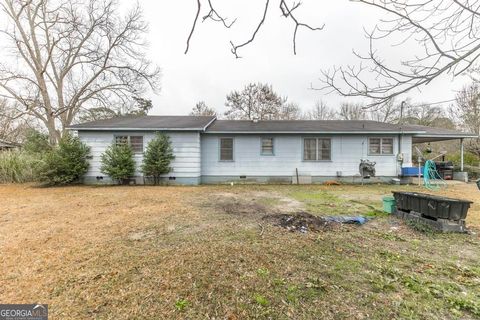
x=167, y=123
x=306, y=126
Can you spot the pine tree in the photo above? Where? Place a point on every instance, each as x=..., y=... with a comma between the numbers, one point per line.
x=158, y=156
x=118, y=162
x=67, y=162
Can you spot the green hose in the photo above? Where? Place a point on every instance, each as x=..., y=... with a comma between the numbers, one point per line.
x=431, y=178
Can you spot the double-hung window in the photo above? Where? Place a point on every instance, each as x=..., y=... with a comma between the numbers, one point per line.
x=226, y=149
x=267, y=146
x=135, y=142
x=380, y=146
x=317, y=149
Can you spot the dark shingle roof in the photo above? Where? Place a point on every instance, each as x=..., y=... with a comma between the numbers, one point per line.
x=437, y=131
x=317, y=126
x=183, y=123
x=208, y=123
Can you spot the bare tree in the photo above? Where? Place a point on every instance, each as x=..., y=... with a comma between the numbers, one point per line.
x=286, y=10
x=466, y=112
x=352, y=111
x=447, y=34
x=201, y=109
x=388, y=112
x=427, y=115
x=255, y=101
x=289, y=111
x=138, y=107
x=321, y=112
x=12, y=127
x=73, y=56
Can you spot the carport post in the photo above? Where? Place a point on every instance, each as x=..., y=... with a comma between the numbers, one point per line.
x=461, y=155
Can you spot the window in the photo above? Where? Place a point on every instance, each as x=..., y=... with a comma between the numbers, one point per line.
x=267, y=146
x=226, y=149
x=380, y=146
x=135, y=142
x=317, y=149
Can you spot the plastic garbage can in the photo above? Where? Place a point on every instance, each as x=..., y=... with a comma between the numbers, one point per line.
x=389, y=204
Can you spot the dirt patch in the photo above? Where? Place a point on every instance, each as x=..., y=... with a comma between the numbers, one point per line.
x=237, y=207
x=301, y=222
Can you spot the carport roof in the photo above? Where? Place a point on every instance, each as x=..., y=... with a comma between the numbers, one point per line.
x=432, y=134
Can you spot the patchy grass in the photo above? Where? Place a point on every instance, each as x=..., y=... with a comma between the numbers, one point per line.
x=199, y=252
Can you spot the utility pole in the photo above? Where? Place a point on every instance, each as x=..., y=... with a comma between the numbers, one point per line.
x=402, y=107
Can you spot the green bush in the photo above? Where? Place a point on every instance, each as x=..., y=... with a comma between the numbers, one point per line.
x=36, y=143
x=17, y=166
x=118, y=162
x=157, y=158
x=66, y=163
x=469, y=159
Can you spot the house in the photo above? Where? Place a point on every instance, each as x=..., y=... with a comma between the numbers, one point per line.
x=208, y=150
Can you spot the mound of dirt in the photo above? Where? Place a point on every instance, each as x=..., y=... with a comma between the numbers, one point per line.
x=301, y=222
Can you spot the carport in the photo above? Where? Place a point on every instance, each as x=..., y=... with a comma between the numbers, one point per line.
x=431, y=134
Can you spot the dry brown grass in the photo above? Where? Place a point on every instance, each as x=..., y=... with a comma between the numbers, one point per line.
x=172, y=252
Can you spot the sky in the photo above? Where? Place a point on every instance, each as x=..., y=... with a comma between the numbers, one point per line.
x=209, y=71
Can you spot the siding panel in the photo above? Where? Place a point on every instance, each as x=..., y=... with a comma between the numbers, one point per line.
x=186, y=148
x=347, y=150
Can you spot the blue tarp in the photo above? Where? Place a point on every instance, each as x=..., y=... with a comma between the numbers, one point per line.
x=346, y=219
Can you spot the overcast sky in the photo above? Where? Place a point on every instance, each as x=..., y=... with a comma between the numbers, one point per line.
x=209, y=71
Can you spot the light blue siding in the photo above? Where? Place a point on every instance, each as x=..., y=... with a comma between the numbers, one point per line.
x=347, y=150
x=186, y=148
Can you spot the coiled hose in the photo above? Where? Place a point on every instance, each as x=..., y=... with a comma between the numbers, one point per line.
x=431, y=178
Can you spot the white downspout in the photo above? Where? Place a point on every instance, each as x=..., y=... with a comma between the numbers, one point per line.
x=461, y=154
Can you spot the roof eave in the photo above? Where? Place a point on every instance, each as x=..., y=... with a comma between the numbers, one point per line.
x=311, y=132
x=134, y=129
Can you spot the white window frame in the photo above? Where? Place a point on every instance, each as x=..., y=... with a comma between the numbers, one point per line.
x=317, y=149
x=129, y=143
x=220, y=149
x=262, y=153
x=381, y=153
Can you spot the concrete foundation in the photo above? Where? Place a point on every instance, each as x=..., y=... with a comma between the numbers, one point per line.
x=460, y=176
x=441, y=225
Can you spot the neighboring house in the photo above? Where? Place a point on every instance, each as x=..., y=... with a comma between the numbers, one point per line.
x=208, y=150
x=5, y=145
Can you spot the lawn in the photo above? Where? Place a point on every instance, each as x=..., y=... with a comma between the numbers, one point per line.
x=209, y=252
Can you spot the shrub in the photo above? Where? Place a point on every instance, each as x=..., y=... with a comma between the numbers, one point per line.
x=66, y=163
x=118, y=162
x=36, y=143
x=157, y=158
x=17, y=166
x=469, y=159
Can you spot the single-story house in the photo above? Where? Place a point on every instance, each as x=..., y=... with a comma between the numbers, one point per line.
x=208, y=150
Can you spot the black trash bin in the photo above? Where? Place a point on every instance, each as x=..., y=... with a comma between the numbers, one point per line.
x=432, y=206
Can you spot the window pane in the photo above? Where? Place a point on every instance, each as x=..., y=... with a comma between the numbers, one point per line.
x=121, y=140
x=374, y=146
x=310, y=149
x=136, y=142
x=226, y=149
x=324, y=149
x=387, y=146
x=267, y=146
